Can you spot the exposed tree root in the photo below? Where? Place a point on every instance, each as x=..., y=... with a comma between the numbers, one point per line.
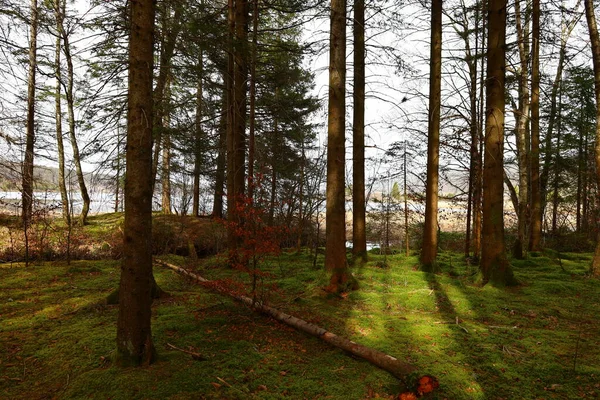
x=399, y=369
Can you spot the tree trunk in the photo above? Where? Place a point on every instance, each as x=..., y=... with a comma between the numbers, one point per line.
x=64, y=198
x=27, y=194
x=301, y=196
x=557, y=163
x=166, y=170
x=229, y=85
x=240, y=74
x=335, y=229
x=430, y=230
x=535, y=240
x=238, y=19
x=166, y=150
x=198, y=137
x=170, y=32
x=359, y=234
x=494, y=265
x=406, y=230
x=522, y=140
x=252, y=118
x=471, y=61
x=478, y=186
x=274, y=154
x=71, y=115
x=580, y=172
x=118, y=173
x=134, y=334
x=397, y=368
x=217, y=211
x=595, y=41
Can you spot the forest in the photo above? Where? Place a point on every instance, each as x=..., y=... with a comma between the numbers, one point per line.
x=299, y=199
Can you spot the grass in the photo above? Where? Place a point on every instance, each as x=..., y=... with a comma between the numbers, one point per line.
x=538, y=340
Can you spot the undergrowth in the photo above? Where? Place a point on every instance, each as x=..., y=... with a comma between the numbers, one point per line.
x=538, y=340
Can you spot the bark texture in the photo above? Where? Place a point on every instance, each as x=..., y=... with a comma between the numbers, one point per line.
x=535, y=240
x=335, y=229
x=134, y=335
x=595, y=41
x=27, y=183
x=359, y=232
x=430, y=230
x=494, y=265
x=198, y=136
x=522, y=132
x=70, y=94
x=60, y=148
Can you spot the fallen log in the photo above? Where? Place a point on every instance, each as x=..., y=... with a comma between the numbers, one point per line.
x=399, y=369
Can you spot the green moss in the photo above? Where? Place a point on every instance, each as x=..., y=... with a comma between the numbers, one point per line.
x=481, y=342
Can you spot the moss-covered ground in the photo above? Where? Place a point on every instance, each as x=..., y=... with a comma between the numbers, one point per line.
x=535, y=341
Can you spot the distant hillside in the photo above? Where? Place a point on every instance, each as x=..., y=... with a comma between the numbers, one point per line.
x=45, y=178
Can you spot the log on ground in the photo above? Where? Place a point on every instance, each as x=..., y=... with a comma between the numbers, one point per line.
x=397, y=368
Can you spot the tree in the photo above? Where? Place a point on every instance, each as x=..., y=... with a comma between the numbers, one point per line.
x=27, y=194
x=494, y=265
x=521, y=131
x=359, y=236
x=536, y=195
x=567, y=26
x=430, y=230
x=595, y=41
x=64, y=198
x=71, y=116
x=134, y=334
x=237, y=75
x=335, y=231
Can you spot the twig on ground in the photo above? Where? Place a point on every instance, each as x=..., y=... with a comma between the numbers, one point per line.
x=195, y=356
x=8, y=378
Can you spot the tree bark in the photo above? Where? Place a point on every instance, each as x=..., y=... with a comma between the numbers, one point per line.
x=494, y=265
x=64, y=197
x=170, y=32
x=522, y=139
x=238, y=67
x=397, y=368
x=231, y=165
x=557, y=163
x=595, y=41
x=252, y=117
x=535, y=240
x=471, y=61
x=240, y=91
x=220, y=178
x=27, y=183
x=335, y=215
x=85, y=209
x=166, y=151
x=134, y=334
x=359, y=234
x=274, y=154
x=430, y=230
x=478, y=185
x=198, y=135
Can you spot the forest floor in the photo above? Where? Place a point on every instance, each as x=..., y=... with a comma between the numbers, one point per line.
x=536, y=341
